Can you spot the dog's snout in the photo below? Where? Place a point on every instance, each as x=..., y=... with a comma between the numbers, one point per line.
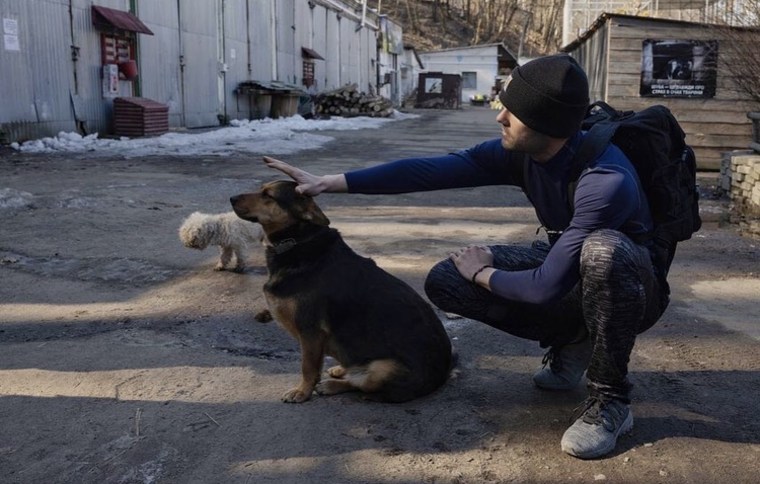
x=234, y=200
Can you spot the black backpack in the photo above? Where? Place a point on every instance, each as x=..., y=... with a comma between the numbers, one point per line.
x=655, y=144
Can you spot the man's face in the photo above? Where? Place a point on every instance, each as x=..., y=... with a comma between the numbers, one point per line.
x=517, y=136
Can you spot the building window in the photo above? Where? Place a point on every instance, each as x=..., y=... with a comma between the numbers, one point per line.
x=308, y=72
x=309, y=55
x=469, y=80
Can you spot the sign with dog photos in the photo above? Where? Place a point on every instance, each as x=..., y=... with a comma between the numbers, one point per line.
x=679, y=68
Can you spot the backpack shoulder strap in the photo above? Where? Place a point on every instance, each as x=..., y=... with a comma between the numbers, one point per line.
x=597, y=140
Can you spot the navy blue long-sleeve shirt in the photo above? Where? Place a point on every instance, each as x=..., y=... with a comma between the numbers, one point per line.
x=608, y=195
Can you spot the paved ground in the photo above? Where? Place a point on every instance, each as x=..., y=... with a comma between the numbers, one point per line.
x=124, y=358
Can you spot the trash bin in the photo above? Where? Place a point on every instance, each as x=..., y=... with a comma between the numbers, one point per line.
x=261, y=104
x=273, y=99
x=284, y=104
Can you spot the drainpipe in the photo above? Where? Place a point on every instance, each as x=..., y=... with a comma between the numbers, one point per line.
x=79, y=121
x=223, y=59
x=136, y=84
x=181, y=65
x=248, y=38
x=74, y=46
x=273, y=23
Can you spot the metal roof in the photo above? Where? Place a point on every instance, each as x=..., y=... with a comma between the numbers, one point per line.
x=604, y=17
x=310, y=54
x=110, y=18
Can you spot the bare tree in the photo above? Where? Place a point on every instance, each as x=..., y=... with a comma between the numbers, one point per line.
x=495, y=20
x=739, y=36
x=411, y=10
x=534, y=23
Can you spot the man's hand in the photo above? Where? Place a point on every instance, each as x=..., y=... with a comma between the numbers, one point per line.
x=470, y=260
x=308, y=184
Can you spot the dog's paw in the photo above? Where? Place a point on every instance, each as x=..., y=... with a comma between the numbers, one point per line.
x=336, y=371
x=333, y=387
x=219, y=267
x=263, y=316
x=296, y=395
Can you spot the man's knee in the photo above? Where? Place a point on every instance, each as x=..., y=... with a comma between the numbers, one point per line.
x=604, y=252
x=439, y=279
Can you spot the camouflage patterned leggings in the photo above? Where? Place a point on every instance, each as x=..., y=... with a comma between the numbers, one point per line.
x=618, y=297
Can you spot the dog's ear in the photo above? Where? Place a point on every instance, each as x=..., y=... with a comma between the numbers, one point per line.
x=310, y=211
x=301, y=206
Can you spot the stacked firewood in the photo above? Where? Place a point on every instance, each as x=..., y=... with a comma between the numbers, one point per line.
x=347, y=101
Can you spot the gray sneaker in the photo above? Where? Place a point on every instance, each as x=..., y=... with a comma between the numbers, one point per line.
x=599, y=423
x=564, y=366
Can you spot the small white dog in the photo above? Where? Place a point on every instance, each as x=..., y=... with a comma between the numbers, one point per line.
x=232, y=234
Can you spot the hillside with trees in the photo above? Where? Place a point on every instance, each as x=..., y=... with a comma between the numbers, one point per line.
x=526, y=28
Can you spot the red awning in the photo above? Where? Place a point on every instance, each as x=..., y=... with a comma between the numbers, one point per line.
x=310, y=54
x=110, y=18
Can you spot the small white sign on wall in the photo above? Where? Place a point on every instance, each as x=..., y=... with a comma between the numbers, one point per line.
x=110, y=80
x=10, y=34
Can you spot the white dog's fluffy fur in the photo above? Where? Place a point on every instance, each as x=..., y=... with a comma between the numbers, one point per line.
x=232, y=234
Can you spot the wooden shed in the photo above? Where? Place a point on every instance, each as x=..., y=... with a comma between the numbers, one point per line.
x=633, y=62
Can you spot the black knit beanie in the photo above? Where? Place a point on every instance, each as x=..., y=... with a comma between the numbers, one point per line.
x=548, y=94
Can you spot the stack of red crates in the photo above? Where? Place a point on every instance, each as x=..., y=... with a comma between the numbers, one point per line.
x=138, y=116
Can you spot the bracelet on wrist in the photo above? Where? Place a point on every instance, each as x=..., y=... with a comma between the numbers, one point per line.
x=479, y=271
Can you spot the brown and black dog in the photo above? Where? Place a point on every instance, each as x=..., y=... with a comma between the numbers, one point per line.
x=388, y=340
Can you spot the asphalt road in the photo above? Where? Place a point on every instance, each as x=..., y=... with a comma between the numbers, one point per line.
x=124, y=358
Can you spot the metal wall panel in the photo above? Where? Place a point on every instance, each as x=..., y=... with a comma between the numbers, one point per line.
x=368, y=59
x=39, y=74
x=349, y=52
x=261, y=31
x=15, y=67
x=158, y=62
x=302, y=34
x=284, y=28
x=91, y=108
x=235, y=57
x=319, y=44
x=51, y=62
x=199, y=51
x=333, y=78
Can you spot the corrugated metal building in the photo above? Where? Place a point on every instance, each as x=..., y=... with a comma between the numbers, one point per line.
x=57, y=57
x=411, y=65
